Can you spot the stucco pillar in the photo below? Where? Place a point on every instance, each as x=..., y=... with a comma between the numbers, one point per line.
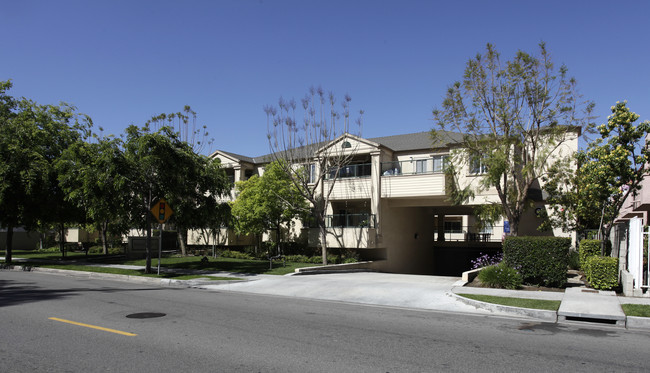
x=375, y=188
x=238, y=173
x=441, y=227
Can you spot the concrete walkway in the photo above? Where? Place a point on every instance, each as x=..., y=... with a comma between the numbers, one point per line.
x=591, y=305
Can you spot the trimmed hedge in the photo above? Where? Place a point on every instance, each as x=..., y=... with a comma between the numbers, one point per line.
x=587, y=249
x=602, y=272
x=541, y=261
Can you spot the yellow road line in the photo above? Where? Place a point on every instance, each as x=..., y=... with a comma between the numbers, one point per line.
x=93, y=327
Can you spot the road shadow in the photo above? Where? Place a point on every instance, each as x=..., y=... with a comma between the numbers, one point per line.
x=13, y=292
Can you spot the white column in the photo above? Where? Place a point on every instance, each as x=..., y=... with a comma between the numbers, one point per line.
x=635, y=253
x=375, y=189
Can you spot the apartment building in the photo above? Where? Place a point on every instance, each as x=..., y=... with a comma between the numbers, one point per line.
x=391, y=204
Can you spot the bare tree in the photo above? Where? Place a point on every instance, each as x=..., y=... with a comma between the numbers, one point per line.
x=185, y=125
x=306, y=148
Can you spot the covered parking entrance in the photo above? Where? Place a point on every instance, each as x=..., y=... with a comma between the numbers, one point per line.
x=434, y=240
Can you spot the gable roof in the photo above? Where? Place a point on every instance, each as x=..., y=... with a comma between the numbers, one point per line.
x=234, y=156
x=416, y=141
x=405, y=142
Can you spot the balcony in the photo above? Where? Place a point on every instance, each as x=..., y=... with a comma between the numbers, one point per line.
x=415, y=178
x=350, y=221
x=351, y=170
x=347, y=231
x=433, y=165
x=471, y=234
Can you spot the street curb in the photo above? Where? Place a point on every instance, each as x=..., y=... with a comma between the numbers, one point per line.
x=166, y=282
x=545, y=315
x=636, y=322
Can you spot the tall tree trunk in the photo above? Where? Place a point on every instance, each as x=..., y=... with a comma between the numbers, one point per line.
x=181, y=240
x=514, y=227
x=10, y=241
x=278, y=239
x=62, y=240
x=104, y=237
x=323, y=235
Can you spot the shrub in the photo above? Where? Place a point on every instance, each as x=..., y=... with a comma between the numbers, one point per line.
x=297, y=258
x=234, y=255
x=602, y=272
x=541, y=261
x=588, y=248
x=53, y=249
x=500, y=276
x=319, y=259
x=95, y=250
x=111, y=250
x=574, y=259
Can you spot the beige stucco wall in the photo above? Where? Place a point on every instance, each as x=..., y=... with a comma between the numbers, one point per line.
x=407, y=235
x=21, y=239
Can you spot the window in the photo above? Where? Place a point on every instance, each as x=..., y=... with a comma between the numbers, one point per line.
x=487, y=228
x=439, y=163
x=312, y=173
x=421, y=166
x=453, y=227
x=477, y=165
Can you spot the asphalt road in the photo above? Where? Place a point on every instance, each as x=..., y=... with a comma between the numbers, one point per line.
x=212, y=331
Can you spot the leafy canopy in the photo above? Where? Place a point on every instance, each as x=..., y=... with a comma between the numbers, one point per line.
x=268, y=202
x=506, y=120
x=609, y=171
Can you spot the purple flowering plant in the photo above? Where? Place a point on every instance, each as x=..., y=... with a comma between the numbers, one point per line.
x=486, y=260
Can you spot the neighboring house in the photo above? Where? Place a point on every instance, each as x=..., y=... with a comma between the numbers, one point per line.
x=391, y=203
x=21, y=239
x=637, y=205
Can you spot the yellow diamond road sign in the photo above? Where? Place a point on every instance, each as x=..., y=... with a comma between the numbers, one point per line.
x=161, y=211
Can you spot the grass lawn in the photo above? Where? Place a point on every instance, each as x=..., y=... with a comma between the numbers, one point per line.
x=187, y=263
x=224, y=264
x=53, y=255
x=551, y=305
x=130, y=272
x=642, y=310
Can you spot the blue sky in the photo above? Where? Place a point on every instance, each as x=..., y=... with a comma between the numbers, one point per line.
x=122, y=62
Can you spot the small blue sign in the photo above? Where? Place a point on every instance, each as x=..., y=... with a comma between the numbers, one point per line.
x=506, y=226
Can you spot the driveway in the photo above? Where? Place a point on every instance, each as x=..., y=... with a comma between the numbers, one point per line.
x=385, y=289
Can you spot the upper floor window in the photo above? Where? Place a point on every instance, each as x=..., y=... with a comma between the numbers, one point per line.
x=421, y=166
x=312, y=173
x=477, y=165
x=439, y=162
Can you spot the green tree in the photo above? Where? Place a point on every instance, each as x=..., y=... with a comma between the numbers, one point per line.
x=163, y=166
x=268, y=203
x=609, y=171
x=193, y=195
x=94, y=177
x=32, y=138
x=509, y=120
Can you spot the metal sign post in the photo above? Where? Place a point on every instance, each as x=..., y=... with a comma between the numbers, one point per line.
x=160, y=231
x=161, y=211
